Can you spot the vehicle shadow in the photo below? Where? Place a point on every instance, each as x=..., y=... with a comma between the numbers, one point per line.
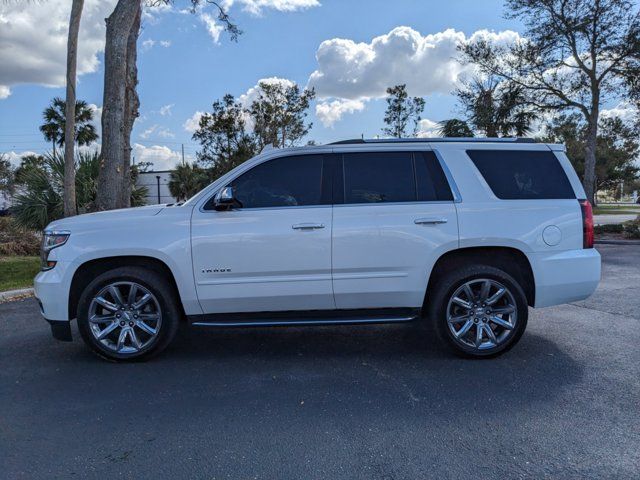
x=387, y=363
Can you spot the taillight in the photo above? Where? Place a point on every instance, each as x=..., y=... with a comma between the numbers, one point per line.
x=587, y=224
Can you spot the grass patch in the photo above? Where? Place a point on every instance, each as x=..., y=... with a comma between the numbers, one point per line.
x=18, y=272
x=616, y=210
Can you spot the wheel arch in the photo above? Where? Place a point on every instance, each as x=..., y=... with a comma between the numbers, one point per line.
x=511, y=260
x=90, y=269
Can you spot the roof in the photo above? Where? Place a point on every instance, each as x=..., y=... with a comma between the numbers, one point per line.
x=435, y=140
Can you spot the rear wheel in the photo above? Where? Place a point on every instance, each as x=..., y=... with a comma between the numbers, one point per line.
x=479, y=311
x=129, y=313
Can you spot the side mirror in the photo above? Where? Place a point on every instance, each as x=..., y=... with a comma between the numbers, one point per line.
x=224, y=199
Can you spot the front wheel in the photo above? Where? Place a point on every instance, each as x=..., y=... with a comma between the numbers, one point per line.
x=479, y=311
x=129, y=313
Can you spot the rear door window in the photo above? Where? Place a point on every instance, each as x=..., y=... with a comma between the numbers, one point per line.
x=522, y=175
x=387, y=177
x=379, y=177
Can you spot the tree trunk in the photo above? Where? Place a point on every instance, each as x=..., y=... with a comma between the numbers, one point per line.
x=589, y=180
x=69, y=195
x=111, y=181
x=132, y=104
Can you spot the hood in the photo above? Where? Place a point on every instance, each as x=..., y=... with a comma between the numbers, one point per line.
x=104, y=219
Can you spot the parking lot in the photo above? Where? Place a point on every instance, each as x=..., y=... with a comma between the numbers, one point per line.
x=334, y=402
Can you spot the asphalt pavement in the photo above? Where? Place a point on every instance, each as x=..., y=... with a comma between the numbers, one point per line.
x=381, y=402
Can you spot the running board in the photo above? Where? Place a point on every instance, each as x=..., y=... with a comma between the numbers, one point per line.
x=305, y=318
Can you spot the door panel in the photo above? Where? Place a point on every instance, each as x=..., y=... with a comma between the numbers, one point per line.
x=254, y=260
x=272, y=251
x=382, y=258
x=398, y=217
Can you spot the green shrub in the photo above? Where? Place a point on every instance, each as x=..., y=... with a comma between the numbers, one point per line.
x=632, y=229
x=613, y=228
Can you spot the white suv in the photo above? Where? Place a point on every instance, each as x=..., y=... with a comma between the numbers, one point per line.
x=464, y=234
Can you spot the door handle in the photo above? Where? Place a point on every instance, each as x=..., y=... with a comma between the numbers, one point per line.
x=307, y=226
x=429, y=221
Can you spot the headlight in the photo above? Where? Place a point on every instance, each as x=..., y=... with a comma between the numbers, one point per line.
x=51, y=239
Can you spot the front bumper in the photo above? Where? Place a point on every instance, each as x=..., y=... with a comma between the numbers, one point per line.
x=564, y=277
x=52, y=291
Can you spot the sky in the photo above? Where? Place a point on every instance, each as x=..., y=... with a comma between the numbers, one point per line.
x=350, y=51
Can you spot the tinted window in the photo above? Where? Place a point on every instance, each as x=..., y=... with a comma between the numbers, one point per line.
x=431, y=182
x=379, y=177
x=283, y=182
x=520, y=174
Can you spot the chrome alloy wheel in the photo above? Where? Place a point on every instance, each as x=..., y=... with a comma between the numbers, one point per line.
x=125, y=317
x=482, y=314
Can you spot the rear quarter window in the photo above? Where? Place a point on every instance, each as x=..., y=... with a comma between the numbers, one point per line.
x=522, y=175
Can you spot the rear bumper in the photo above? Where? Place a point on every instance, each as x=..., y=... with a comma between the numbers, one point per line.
x=564, y=277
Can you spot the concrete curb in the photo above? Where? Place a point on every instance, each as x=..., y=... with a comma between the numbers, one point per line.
x=617, y=242
x=13, y=294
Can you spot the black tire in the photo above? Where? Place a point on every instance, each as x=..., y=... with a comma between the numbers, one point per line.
x=449, y=283
x=166, y=298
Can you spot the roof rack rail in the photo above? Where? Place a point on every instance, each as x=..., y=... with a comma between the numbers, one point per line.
x=356, y=141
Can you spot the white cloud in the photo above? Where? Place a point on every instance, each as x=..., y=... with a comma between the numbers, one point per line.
x=191, y=124
x=426, y=64
x=148, y=44
x=4, y=92
x=151, y=11
x=97, y=117
x=162, y=157
x=156, y=131
x=213, y=27
x=33, y=39
x=247, y=98
x=166, y=109
x=624, y=110
x=15, y=157
x=330, y=112
x=428, y=128
x=257, y=6
x=97, y=111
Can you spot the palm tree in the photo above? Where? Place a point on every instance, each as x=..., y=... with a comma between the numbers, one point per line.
x=54, y=123
x=496, y=108
x=40, y=198
x=455, y=127
x=186, y=180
